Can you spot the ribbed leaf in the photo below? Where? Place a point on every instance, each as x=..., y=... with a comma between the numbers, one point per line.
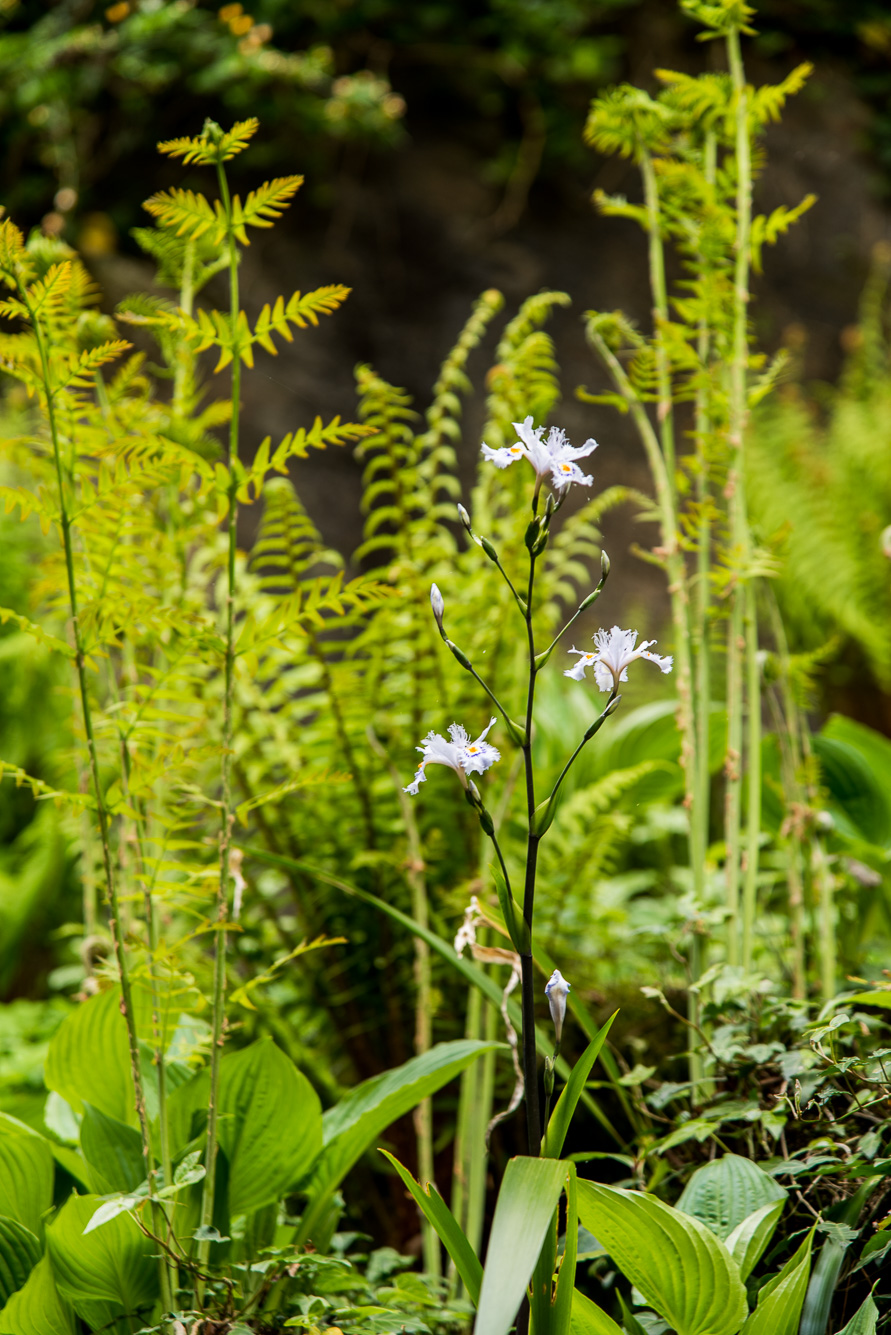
x=104, y=1274
x=726, y=1191
x=530, y=1191
x=748, y=1240
x=26, y=1174
x=20, y=1250
x=93, y=1039
x=356, y=1122
x=37, y=1308
x=680, y=1267
x=113, y=1150
x=270, y=1123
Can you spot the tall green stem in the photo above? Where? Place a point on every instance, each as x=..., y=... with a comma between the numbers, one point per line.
x=739, y=532
x=753, y=776
x=102, y=820
x=700, y=804
x=226, y=809
x=530, y=1056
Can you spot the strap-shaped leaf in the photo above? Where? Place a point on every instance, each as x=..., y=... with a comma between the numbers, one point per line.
x=589, y=1319
x=530, y=1191
x=781, y=1299
x=558, y=1125
x=680, y=1267
x=864, y=1320
x=449, y=1231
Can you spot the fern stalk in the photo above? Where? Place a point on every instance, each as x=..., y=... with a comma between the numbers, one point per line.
x=227, y=813
x=739, y=532
x=102, y=819
x=753, y=777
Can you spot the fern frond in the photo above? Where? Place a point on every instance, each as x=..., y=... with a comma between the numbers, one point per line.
x=302, y=310
x=213, y=145
x=188, y=214
x=263, y=205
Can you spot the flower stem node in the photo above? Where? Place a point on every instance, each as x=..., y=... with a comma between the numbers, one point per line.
x=599, y=722
x=459, y=654
x=548, y=1077
x=557, y=991
x=472, y=793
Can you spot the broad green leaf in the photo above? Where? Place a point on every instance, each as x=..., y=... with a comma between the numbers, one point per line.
x=560, y=1118
x=88, y=1058
x=748, y=1240
x=26, y=1174
x=113, y=1150
x=530, y=1191
x=352, y=1125
x=864, y=1320
x=270, y=1123
x=861, y=791
x=104, y=1274
x=37, y=1308
x=449, y=1231
x=781, y=1299
x=589, y=1319
x=20, y=1250
x=680, y=1267
x=723, y=1193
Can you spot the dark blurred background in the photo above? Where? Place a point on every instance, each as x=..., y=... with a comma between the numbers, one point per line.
x=441, y=145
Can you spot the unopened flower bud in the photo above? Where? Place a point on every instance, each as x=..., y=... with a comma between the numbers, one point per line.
x=556, y=992
x=464, y=517
x=437, y=604
x=604, y=564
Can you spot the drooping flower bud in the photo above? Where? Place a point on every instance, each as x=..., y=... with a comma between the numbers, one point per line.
x=437, y=604
x=556, y=992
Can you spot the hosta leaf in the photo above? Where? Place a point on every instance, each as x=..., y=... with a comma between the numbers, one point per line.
x=270, y=1123
x=38, y=1308
x=26, y=1174
x=680, y=1267
x=107, y=1273
x=91, y=1043
x=113, y=1150
x=726, y=1191
x=20, y=1250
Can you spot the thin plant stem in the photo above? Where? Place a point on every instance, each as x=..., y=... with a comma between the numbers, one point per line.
x=753, y=776
x=699, y=806
x=102, y=819
x=423, y=1114
x=739, y=532
x=226, y=808
x=530, y=1056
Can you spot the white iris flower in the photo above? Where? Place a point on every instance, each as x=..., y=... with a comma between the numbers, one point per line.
x=553, y=459
x=614, y=652
x=556, y=992
x=460, y=754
